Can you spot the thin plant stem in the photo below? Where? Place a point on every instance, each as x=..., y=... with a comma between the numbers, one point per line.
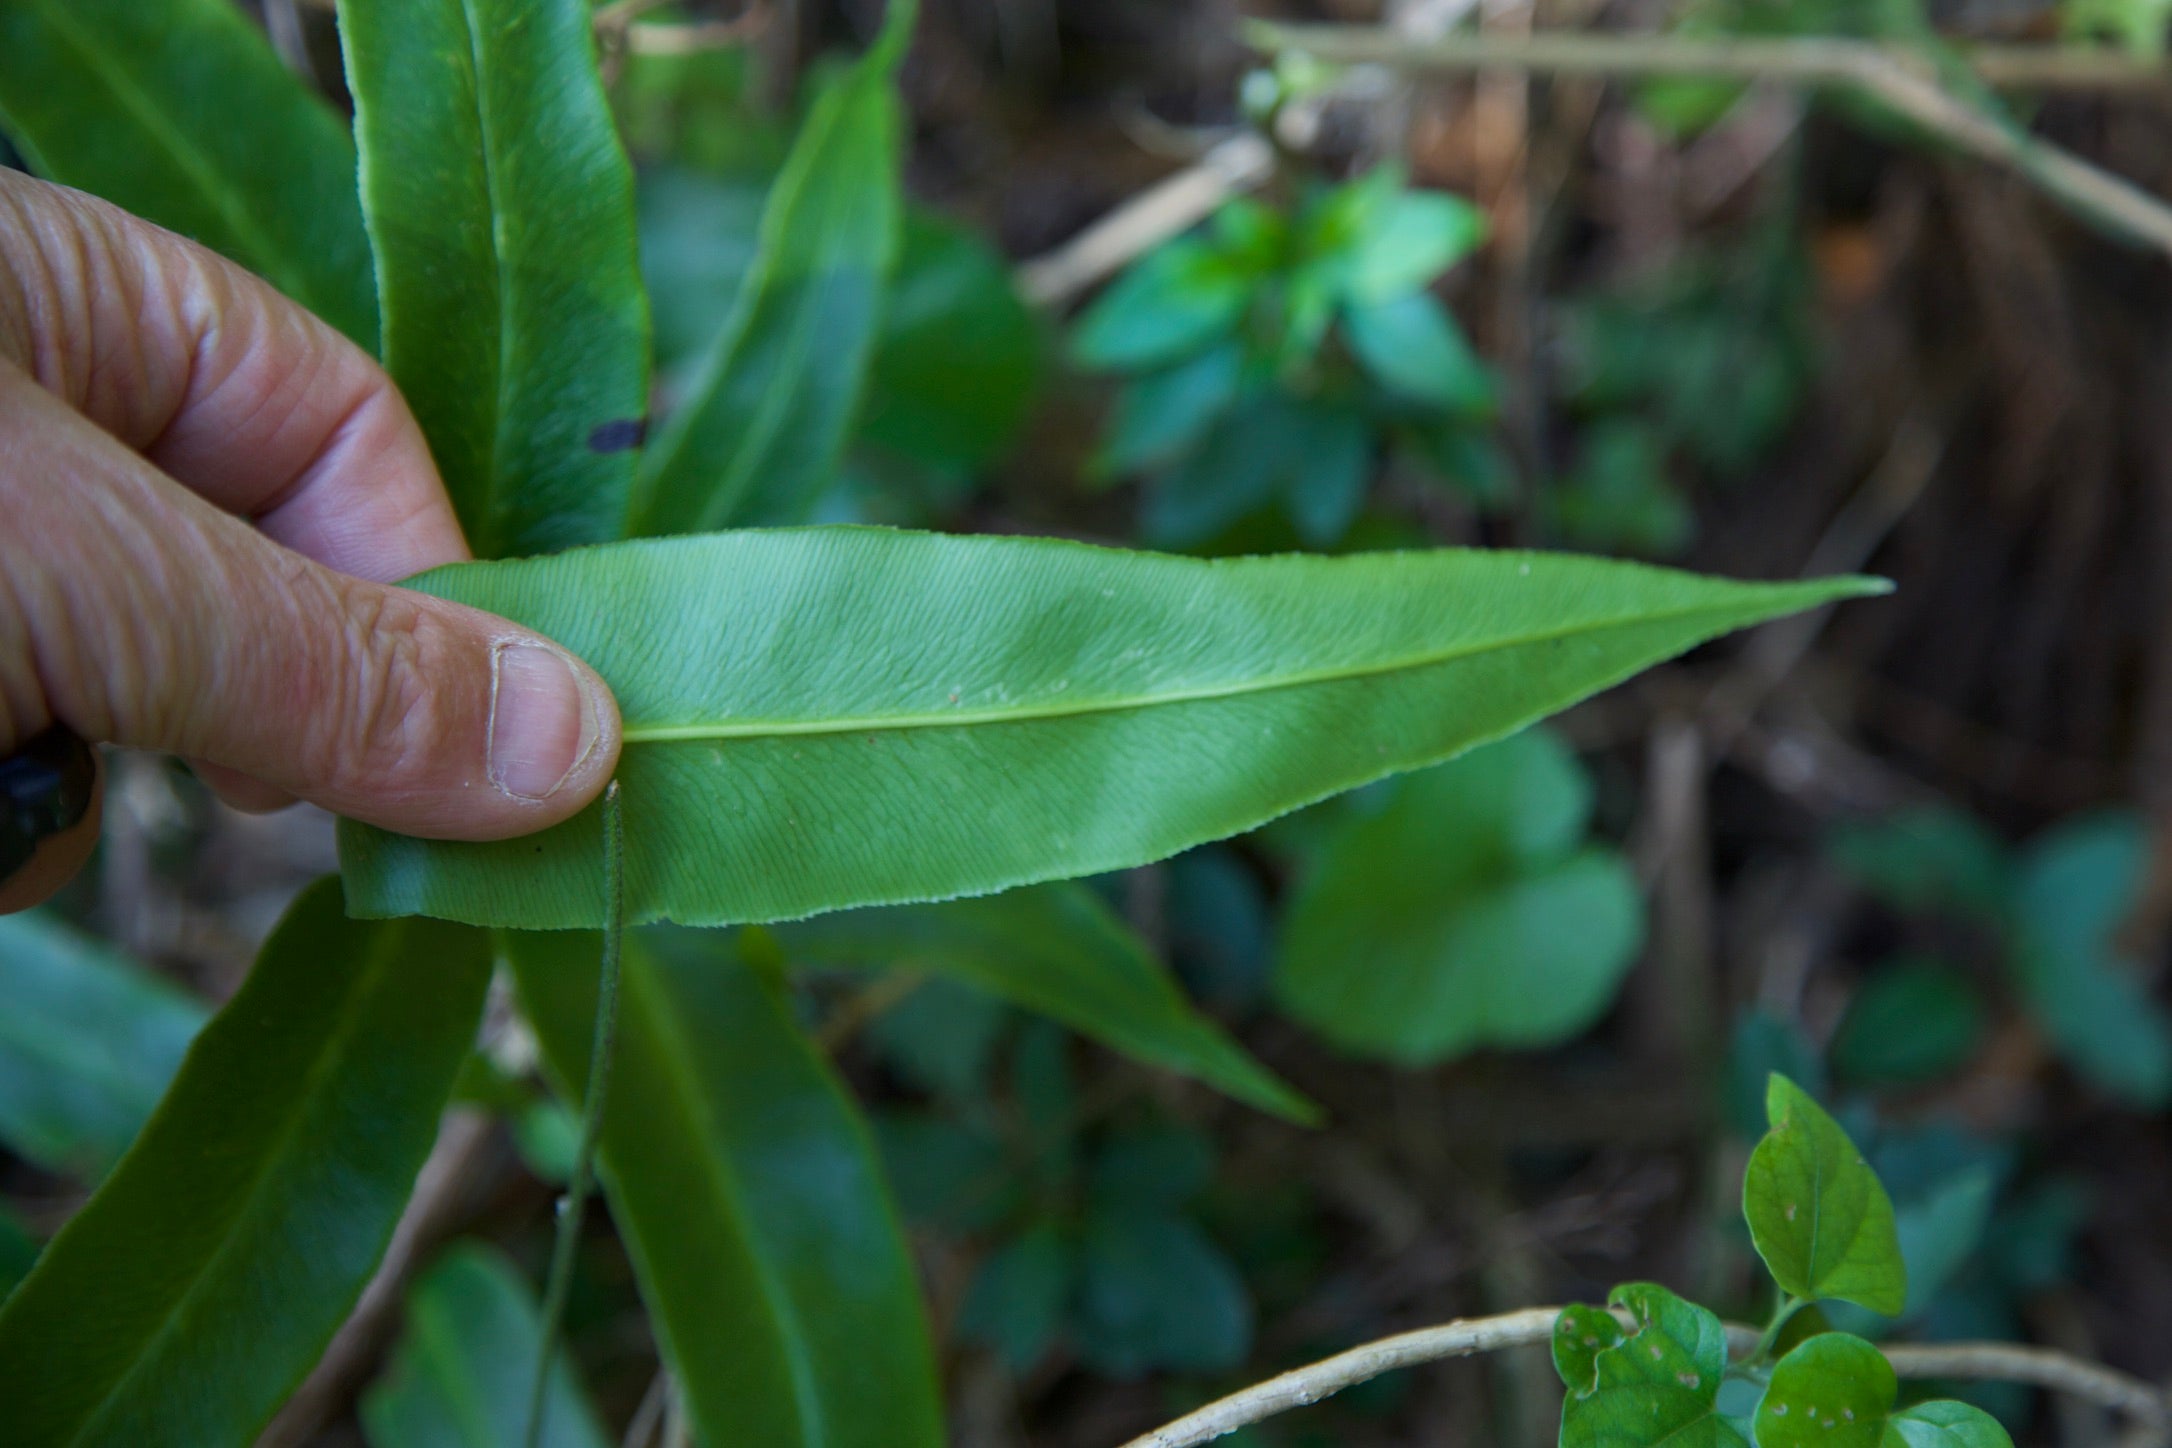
x=1907, y=83
x=1789, y=1306
x=574, y=1204
x=2150, y=1408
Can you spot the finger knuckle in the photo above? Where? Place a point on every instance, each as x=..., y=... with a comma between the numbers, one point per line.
x=391, y=723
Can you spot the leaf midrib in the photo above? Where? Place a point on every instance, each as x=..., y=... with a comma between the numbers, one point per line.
x=487, y=154
x=966, y=718
x=264, y=255
x=335, y=1052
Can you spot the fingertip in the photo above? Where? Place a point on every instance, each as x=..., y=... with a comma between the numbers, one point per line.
x=554, y=728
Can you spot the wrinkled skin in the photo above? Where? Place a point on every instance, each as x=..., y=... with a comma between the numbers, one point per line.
x=205, y=493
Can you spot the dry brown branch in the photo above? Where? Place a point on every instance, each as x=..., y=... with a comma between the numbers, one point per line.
x=440, y=1196
x=1984, y=1361
x=1905, y=82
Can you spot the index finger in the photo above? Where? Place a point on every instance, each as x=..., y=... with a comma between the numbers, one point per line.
x=220, y=381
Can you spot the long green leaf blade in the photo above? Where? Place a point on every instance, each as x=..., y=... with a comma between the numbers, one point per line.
x=757, y=438
x=179, y=111
x=746, y=1187
x=88, y=1042
x=187, y=1298
x=461, y=1376
x=501, y=208
x=827, y=717
x=1058, y=950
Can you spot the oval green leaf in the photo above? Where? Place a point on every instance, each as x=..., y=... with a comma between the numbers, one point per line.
x=1837, y=1391
x=190, y=1295
x=1581, y=1333
x=88, y=1042
x=1058, y=950
x=1656, y=1384
x=1469, y=911
x=464, y=1371
x=757, y=437
x=501, y=209
x=1818, y=1214
x=827, y=717
x=178, y=111
x=745, y=1185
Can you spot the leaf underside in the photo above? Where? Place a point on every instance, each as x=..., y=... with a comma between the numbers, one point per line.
x=828, y=717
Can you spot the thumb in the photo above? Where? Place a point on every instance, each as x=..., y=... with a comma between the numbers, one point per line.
x=155, y=620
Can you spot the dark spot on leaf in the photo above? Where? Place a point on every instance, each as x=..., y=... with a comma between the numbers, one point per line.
x=619, y=436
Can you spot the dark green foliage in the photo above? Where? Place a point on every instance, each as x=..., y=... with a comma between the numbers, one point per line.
x=227, y=1246
x=1393, y=944
x=1271, y=360
x=460, y=1376
x=88, y=1042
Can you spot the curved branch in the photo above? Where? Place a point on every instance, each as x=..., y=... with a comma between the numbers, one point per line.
x=1905, y=82
x=1994, y=1361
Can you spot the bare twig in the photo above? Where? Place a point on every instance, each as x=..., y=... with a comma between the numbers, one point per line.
x=444, y=1191
x=1905, y=82
x=1169, y=208
x=1801, y=61
x=1985, y=1361
x=601, y=1046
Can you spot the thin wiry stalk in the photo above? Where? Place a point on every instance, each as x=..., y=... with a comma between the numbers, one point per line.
x=574, y=1204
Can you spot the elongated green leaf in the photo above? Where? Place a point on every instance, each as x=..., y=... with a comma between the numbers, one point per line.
x=194, y=1290
x=88, y=1041
x=757, y=437
x=465, y=1367
x=829, y=717
x=1818, y=1214
x=179, y=111
x=1058, y=950
x=501, y=209
x=745, y=1185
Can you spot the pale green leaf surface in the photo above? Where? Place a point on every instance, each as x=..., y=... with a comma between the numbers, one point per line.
x=746, y=1188
x=88, y=1042
x=828, y=717
x=1466, y=912
x=500, y=207
x=1417, y=236
x=178, y=111
x=1837, y=1391
x=183, y=1303
x=1818, y=1214
x=1658, y=1384
x=1058, y=950
x=465, y=1366
x=768, y=409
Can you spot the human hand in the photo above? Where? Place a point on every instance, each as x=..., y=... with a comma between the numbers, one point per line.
x=204, y=495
